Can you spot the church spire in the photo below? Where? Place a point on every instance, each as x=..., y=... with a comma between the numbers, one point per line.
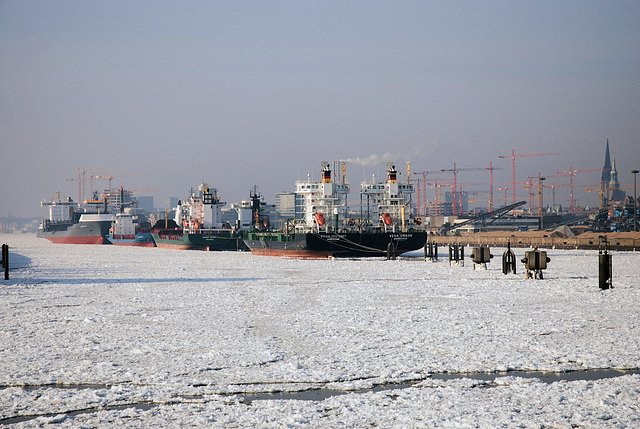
x=606, y=170
x=613, y=182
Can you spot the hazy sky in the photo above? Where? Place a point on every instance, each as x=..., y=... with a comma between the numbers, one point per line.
x=237, y=93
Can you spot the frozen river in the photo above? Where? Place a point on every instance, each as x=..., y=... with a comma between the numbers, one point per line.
x=114, y=336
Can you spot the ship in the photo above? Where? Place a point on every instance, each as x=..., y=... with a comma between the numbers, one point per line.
x=197, y=225
x=127, y=231
x=96, y=220
x=384, y=227
x=68, y=223
x=130, y=226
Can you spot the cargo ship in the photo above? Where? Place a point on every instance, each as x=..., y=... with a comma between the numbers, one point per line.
x=197, y=225
x=110, y=217
x=325, y=230
x=68, y=223
x=127, y=231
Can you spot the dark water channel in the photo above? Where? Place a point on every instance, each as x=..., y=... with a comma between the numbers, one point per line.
x=546, y=377
x=321, y=394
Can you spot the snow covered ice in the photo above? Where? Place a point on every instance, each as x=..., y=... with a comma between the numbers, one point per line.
x=115, y=336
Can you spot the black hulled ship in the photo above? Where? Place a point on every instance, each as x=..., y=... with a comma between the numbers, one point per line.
x=326, y=229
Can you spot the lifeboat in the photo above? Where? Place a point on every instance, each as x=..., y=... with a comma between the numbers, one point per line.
x=320, y=219
x=386, y=218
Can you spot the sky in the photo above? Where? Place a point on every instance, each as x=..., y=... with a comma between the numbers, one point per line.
x=166, y=95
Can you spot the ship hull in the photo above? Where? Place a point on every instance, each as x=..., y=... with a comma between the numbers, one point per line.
x=324, y=245
x=210, y=240
x=143, y=239
x=80, y=233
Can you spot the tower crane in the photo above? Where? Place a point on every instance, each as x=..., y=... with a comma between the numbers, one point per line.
x=504, y=188
x=454, y=186
x=601, y=192
x=513, y=157
x=422, y=196
x=572, y=173
x=109, y=176
x=82, y=178
x=460, y=186
x=491, y=168
x=437, y=184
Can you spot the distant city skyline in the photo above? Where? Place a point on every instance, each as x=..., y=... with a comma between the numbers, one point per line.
x=165, y=95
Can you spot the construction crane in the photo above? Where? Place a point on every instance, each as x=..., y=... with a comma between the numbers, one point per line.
x=109, y=176
x=572, y=173
x=505, y=193
x=491, y=168
x=437, y=186
x=475, y=199
x=555, y=185
x=82, y=178
x=600, y=192
x=454, y=186
x=422, y=193
x=513, y=157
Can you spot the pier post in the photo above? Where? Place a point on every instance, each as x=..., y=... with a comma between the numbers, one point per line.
x=391, y=251
x=431, y=251
x=481, y=256
x=535, y=261
x=508, y=260
x=5, y=260
x=456, y=254
x=605, y=269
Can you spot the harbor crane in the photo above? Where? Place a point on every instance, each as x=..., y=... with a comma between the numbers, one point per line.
x=513, y=157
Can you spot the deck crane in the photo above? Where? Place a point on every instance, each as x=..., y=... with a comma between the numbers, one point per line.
x=513, y=157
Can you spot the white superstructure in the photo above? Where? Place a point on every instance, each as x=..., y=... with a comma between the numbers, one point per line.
x=60, y=210
x=389, y=203
x=202, y=211
x=324, y=202
x=124, y=225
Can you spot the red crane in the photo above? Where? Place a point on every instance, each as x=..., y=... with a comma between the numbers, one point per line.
x=571, y=173
x=454, y=186
x=422, y=192
x=491, y=168
x=505, y=193
x=437, y=187
x=82, y=173
x=513, y=157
